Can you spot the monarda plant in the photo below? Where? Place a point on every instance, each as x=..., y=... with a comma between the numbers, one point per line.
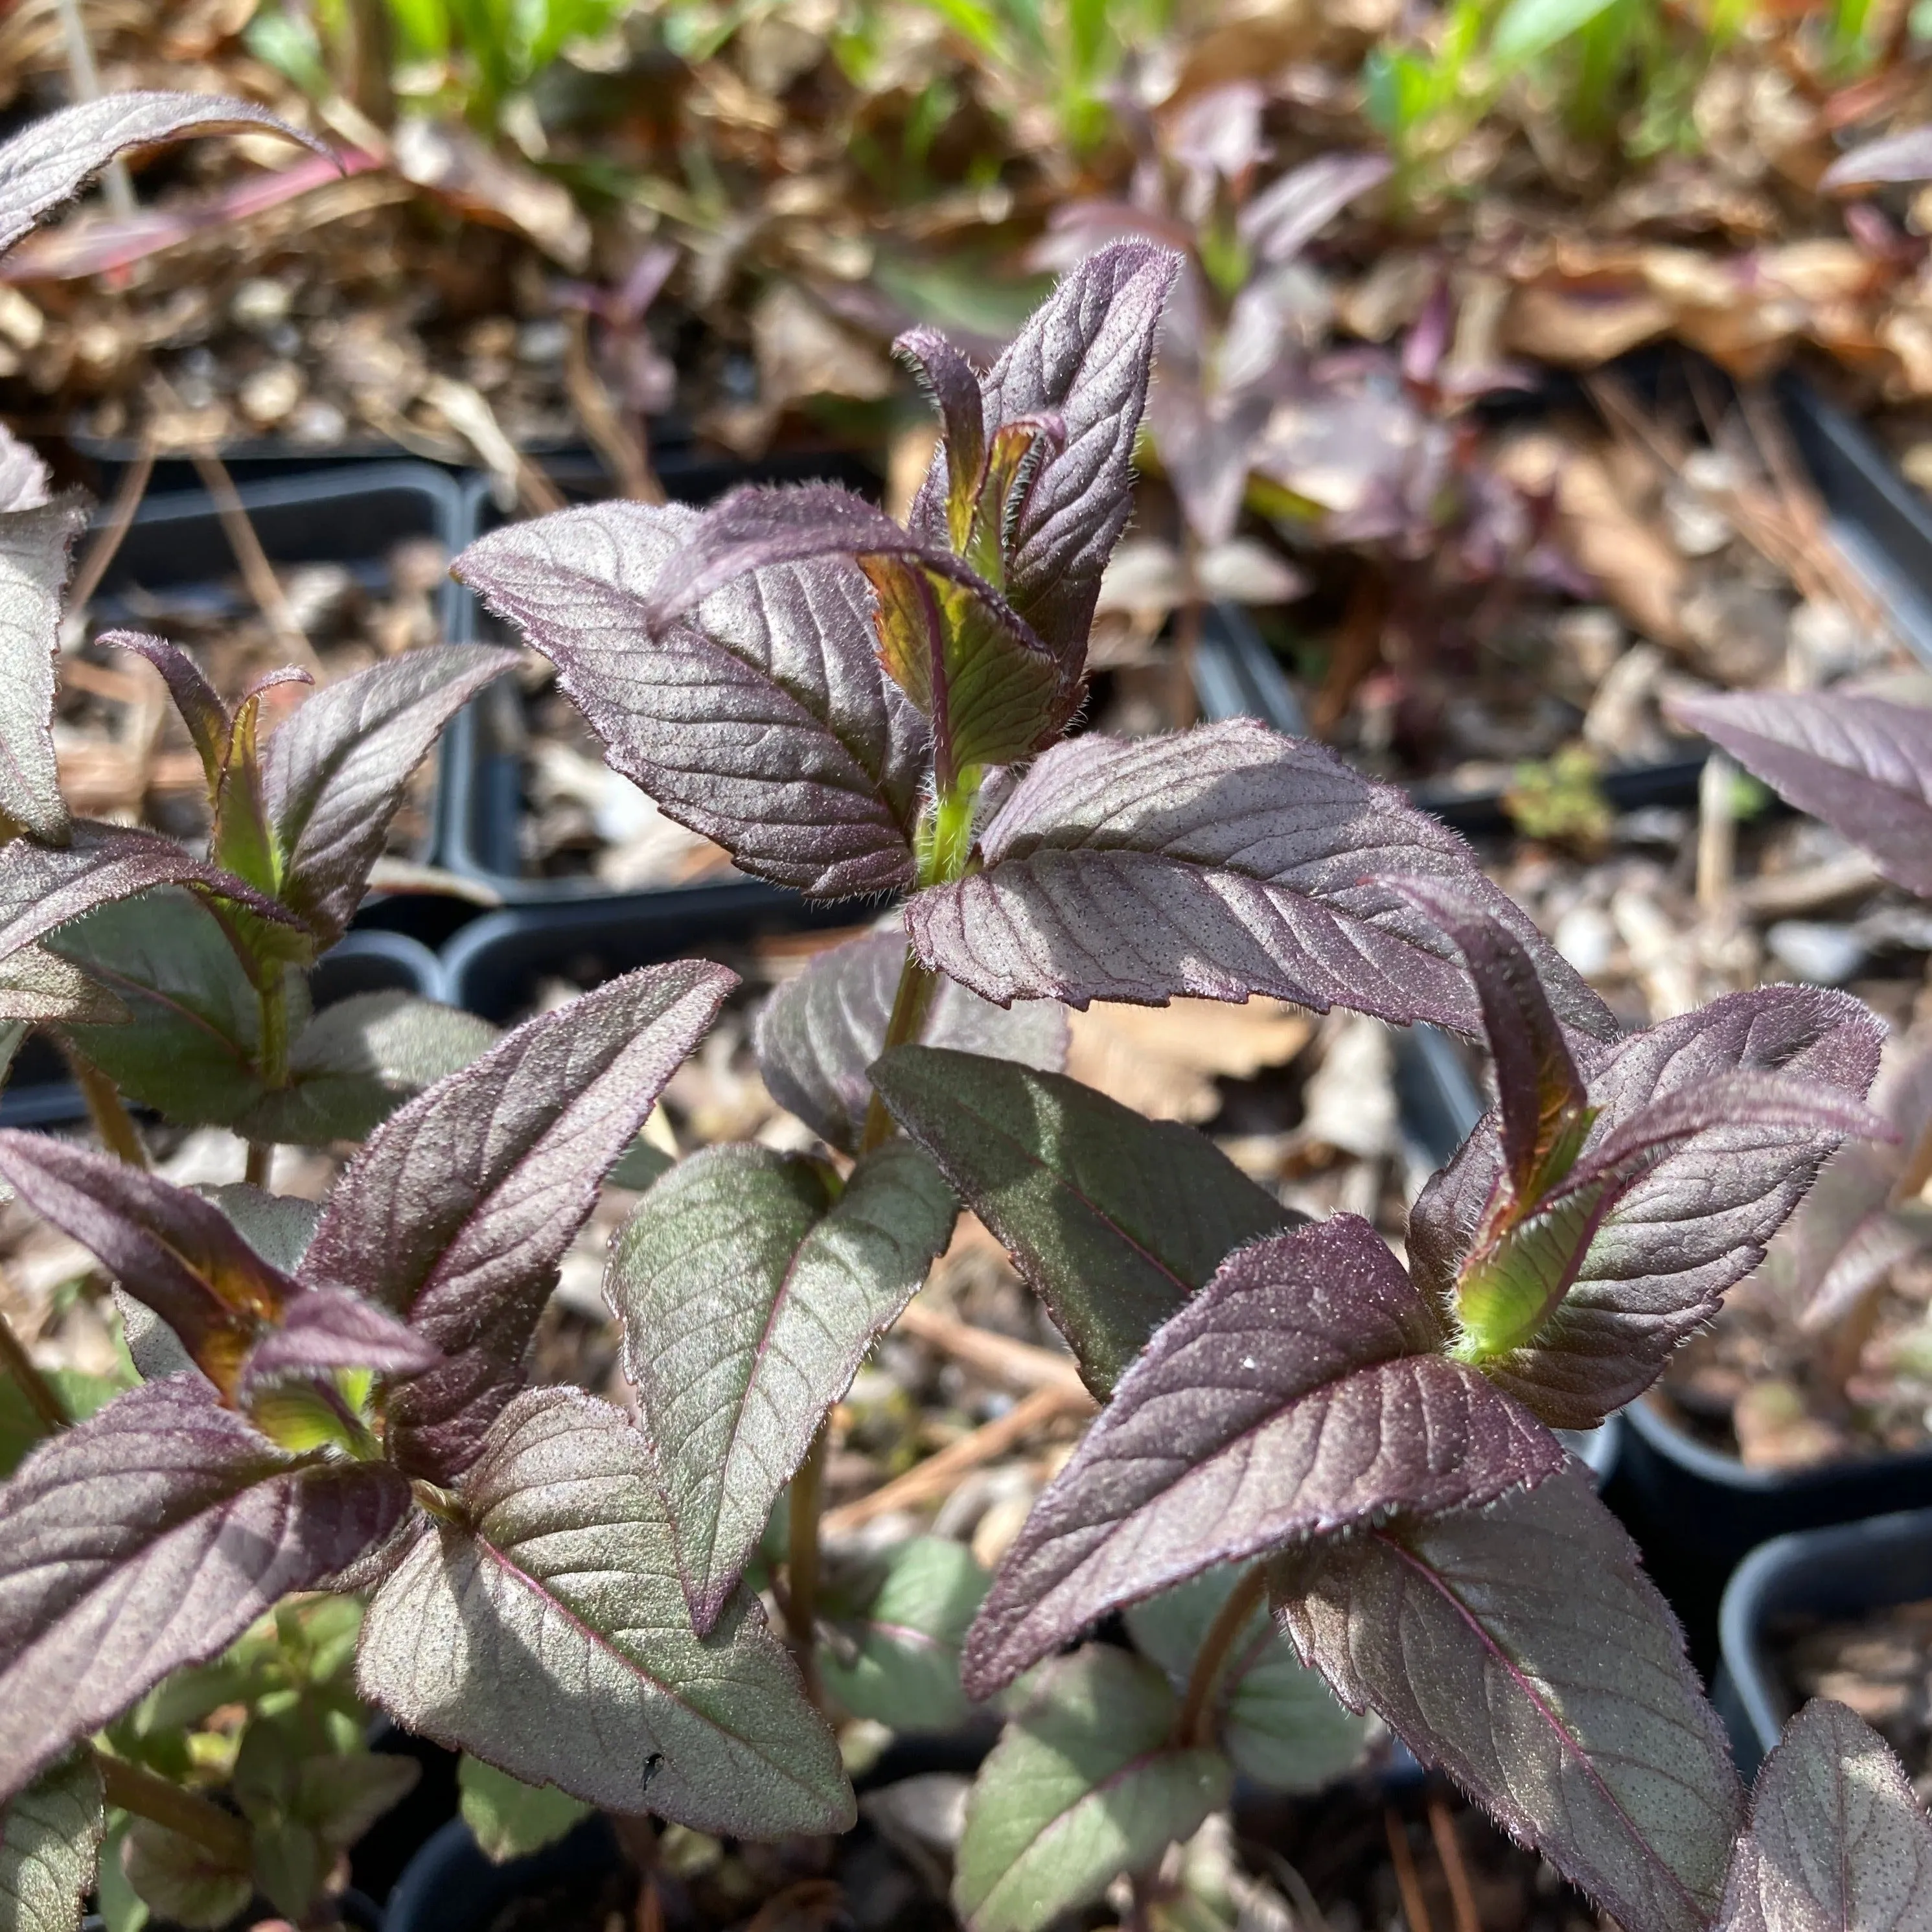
x=1304, y=1441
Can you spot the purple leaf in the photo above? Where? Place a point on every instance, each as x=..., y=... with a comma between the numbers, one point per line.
x=748, y=1291
x=457, y=1212
x=1540, y=1094
x=1521, y=1648
x=1696, y=1222
x=1905, y=156
x=1298, y=1394
x=56, y=157
x=953, y=385
x=950, y=640
x=1086, y=1783
x=42, y=887
x=201, y=710
x=1115, y=1220
x=547, y=1634
x=1083, y=356
x=334, y=774
x=764, y=721
x=49, y=1845
x=1837, y=1837
x=176, y=1252
x=819, y=1033
x=149, y=1537
x=1287, y=214
x=1864, y=765
x=330, y=1328
x=34, y=547
x=1222, y=862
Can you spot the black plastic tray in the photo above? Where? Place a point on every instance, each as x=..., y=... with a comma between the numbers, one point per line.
x=1844, y=1571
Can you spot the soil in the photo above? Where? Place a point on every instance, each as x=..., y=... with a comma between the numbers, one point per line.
x=1880, y=1665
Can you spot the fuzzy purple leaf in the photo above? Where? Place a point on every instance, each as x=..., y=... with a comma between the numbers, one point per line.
x=1696, y=1222
x=34, y=547
x=329, y=1328
x=763, y=721
x=457, y=1212
x=1115, y=1220
x=1864, y=765
x=748, y=1285
x=1222, y=862
x=1521, y=1647
x=334, y=775
x=1300, y=1394
x=42, y=887
x=953, y=384
x=201, y=708
x=1837, y=1839
x=173, y=1251
x=1083, y=356
x=150, y=1537
x=547, y=1634
x=819, y=1033
x=1540, y=1095
x=1903, y=156
x=54, y=158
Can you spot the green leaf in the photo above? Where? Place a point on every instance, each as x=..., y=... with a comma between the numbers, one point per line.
x=547, y=1631
x=177, y=1878
x=750, y=1286
x=1115, y=1220
x=1528, y=29
x=1083, y=1785
x=50, y=1840
x=190, y=1051
x=509, y=1819
x=356, y=1062
x=1279, y=1721
x=897, y=1625
x=289, y=1863
x=81, y=1394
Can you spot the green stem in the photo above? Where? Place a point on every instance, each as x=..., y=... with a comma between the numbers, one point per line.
x=261, y=1158
x=272, y=996
x=1193, y=1729
x=108, y=1113
x=134, y=1788
x=802, y=1560
x=34, y=1386
x=910, y=1005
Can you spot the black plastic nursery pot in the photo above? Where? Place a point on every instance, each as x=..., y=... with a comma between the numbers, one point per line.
x=1841, y=1573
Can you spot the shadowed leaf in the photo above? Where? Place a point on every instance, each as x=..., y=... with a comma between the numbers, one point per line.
x=457, y=1211
x=49, y=1839
x=1556, y=1692
x=1297, y=1394
x=1083, y=1785
x=749, y=1287
x=896, y=1625
x=819, y=1032
x=1220, y=861
x=1114, y=1219
x=1837, y=1837
x=511, y=1819
x=151, y=1536
x=763, y=721
x=548, y=1635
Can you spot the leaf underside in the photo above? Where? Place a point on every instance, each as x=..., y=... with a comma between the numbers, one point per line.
x=49, y=1839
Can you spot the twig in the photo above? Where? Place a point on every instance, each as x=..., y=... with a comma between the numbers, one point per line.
x=141, y=1792
x=1296, y=1886
x=85, y=78
x=615, y=439
x=108, y=1113
x=1462, y=1898
x=1717, y=833
x=1414, y=1907
x=1019, y=1364
x=264, y=585
x=103, y=550
x=937, y=1474
x=34, y=1385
